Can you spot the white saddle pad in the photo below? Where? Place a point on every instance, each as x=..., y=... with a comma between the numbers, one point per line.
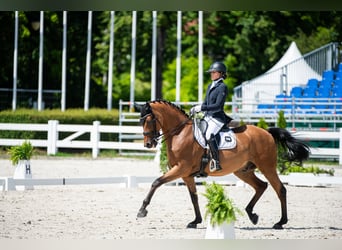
x=228, y=138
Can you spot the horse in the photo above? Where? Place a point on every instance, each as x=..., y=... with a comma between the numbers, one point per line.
x=256, y=148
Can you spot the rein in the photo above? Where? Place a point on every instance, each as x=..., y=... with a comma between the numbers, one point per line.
x=156, y=135
x=175, y=130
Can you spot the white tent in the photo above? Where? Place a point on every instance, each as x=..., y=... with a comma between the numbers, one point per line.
x=291, y=70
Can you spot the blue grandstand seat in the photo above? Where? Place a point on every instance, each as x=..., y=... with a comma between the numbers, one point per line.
x=338, y=83
x=326, y=84
x=308, y=96
x=309, y=92
x=340, y=67
x=328, y=75
x=296, y=92
x=283, y=102
x=312, y=83
x=338, y=75
x=322, y=97
x=265, y=108
x=336, y=93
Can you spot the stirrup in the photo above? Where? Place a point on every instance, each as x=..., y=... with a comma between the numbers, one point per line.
x=214, y=166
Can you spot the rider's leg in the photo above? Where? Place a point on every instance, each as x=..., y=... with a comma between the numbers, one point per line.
x=213, y=128
x=215, y=153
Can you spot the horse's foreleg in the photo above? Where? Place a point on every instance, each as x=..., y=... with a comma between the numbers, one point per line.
x=172, y=174
x=142, y=211
x=190, y=183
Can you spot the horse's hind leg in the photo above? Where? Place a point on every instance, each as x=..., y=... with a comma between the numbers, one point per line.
x=278, y=186
x=190, y=183
x=247, y=175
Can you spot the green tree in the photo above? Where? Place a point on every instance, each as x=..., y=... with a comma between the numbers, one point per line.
x=249, y=42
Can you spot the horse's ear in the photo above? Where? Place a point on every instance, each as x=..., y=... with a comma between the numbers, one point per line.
x=138, y=107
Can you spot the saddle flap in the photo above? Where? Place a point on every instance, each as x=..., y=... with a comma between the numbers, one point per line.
x=226, y=138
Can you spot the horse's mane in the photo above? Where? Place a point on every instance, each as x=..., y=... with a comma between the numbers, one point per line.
x=170, y=104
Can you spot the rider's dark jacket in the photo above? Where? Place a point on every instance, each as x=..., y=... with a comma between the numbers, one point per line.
x=214, y=101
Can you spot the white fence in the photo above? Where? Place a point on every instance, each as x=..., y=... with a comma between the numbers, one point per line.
x=294, y=179
x=53, y=142
x=128, y=181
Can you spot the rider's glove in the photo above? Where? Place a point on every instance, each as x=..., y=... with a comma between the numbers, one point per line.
x=195, y=109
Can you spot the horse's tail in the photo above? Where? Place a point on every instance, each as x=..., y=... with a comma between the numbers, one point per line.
x=295, y=149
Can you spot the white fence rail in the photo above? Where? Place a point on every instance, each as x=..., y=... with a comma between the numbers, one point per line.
x=294, y=179
x=53, y=142
x=128, y=181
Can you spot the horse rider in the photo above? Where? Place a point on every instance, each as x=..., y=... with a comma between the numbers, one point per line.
x=213, y=108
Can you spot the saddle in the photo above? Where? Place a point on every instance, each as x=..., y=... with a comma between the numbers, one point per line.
x=226, y=139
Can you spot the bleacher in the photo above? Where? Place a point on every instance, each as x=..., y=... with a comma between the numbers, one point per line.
x=317, y=97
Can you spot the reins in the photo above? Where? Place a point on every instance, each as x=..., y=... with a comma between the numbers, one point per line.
x=156, y=135
x=175, y=130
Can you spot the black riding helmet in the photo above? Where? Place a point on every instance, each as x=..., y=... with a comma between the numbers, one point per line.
x=219, y=67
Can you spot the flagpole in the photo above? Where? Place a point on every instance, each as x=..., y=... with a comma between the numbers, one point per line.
x=110, y=63
x=41, y=52
x=64, y=58
x=154, y=55
x=133, y=51
x=15, y=61
x=200, y=56
x=88, y=68
x=179, y=54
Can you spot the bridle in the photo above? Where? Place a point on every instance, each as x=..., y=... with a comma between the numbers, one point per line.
x=155, y=135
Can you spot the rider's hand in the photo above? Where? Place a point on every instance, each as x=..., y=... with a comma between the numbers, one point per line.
x=195, y=109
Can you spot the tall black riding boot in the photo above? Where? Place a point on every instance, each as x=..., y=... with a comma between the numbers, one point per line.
x=215, y=163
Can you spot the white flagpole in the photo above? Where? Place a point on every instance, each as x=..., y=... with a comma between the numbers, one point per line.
x=132, y=83
x=154, y=55
x=110, y=63
x=87, y=77
x=200, y=56
x=15, y=61
x=64, y=58
x=179, y=54
x=41, y=51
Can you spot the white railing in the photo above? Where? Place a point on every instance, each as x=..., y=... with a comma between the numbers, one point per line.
x=53, y=141
x=128, y=181
x=295, y=179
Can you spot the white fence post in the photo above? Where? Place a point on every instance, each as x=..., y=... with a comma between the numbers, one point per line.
x=95, y=138
x=340, y=147
x=52, y=137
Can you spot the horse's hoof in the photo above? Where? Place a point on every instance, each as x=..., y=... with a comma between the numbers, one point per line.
x=191, y=225
x=254, y=219
x=142, y=213
x=278, y=226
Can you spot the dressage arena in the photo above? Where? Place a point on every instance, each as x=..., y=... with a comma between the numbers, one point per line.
x=108, y=211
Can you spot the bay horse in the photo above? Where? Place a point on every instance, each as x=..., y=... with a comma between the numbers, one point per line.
x=256, y=148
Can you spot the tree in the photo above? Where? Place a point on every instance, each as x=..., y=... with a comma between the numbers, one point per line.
x=249, y=43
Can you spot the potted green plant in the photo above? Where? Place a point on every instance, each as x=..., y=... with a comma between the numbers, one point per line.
x=220, y=213
x=20, y=156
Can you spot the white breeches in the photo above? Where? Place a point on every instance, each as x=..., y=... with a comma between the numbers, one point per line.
x=214, y=126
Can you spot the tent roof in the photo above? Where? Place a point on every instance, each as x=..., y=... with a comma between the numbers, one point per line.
x=291, y=54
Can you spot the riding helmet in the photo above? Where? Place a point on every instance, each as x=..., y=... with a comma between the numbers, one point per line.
x=217, y=66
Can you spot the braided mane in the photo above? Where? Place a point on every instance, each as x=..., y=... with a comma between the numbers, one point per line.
x=170, y=104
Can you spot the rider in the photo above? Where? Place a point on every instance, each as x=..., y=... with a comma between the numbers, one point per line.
x=213, y=107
